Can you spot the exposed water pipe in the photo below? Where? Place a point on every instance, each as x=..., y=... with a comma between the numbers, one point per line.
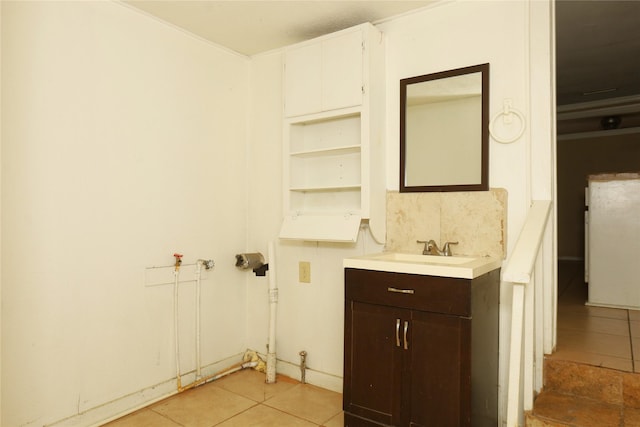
x=199, y=379
x=273, y=304
x=197, y=275
x=303, y=366
x=230, y=370
x=176, y=280
x=208, y=264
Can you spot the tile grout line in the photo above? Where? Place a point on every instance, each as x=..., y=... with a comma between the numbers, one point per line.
x=291, y=415
x=164, y=416
x=239, y=413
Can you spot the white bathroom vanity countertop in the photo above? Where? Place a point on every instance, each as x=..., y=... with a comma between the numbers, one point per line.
x=464, y=267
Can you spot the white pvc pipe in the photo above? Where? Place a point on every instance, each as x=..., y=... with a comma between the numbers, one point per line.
x=231, y=371
x=205, y=380
x=176, y=275
x=197, y=274
x=273, y=303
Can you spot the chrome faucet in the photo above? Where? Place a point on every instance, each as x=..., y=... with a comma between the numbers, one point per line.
x=431, y=248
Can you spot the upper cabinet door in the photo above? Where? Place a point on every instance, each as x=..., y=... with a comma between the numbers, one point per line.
x=303, y=80
x=324, y=75
x=342, y=71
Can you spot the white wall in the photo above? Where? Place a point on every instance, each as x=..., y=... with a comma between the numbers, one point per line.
x=459, y=34
x=123, y=141
x=127, y=140
x=448, y=35
x=310, y=315
x=264, y=166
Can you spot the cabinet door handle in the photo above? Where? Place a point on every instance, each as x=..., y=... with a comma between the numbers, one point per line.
x=406, y=328
x=397, y=332
x=400, y=291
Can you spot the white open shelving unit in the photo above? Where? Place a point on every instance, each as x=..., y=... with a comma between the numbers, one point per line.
x=330, y=85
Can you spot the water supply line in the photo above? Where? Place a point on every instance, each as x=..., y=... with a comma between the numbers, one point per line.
x=208, y=264
x=303, y=366
x=250, y=359
x=176, y=280
x=273, y=304
x=230, y=370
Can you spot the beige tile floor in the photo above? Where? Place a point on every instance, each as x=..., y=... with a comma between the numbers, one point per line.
x=243, y=399
x=594, y=335
x=598, y=336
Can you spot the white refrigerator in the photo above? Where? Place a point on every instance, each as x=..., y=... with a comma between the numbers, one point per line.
x=612, y=240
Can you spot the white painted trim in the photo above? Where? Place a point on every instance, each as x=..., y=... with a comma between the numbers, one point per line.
x=520, y=266
x=515, y=355
x=317, y=378
x=550, y=289
x=526, y=260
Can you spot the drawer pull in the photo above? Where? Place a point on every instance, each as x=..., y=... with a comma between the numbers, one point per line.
x=397, y=332
x=406, y=328
x=400, y=291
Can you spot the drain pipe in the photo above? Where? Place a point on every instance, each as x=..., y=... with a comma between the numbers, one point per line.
x=273, y=304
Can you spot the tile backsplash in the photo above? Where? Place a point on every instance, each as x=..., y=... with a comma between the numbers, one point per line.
x=475, y=219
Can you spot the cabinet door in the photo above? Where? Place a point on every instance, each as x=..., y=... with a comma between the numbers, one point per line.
x=324, y=76
x=438, y=374
x=303, y=80
x=373, y=365
x=342, y=71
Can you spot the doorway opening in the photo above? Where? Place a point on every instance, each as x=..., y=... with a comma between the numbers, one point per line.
x=598, y=124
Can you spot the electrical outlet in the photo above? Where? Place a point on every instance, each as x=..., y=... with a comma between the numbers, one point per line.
x=304, y=272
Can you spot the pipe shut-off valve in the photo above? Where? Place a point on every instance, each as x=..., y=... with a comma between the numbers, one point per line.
x=178, y=258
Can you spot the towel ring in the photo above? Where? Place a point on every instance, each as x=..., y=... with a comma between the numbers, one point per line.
x=506, y=113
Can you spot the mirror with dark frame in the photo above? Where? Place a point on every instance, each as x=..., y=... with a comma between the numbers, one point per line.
x=444, y=131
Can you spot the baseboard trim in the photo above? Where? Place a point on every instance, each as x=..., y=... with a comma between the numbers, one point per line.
x=317, y=378
x=110, y=411
x=107, y=412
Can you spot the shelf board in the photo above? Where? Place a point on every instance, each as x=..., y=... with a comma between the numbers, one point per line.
x=330, y=151
x=323, y=116
x=315, y=189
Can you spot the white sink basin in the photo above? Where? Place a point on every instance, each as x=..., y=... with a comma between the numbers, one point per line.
x=429, y=265
x=422, y=259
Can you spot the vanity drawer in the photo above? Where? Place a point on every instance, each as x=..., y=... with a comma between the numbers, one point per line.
x=426, y=293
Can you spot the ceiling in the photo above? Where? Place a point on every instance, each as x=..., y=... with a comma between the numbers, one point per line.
x=598, y=50
x=251, y=27
x=598, y=42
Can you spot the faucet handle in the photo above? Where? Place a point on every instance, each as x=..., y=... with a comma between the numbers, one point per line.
x=427, y=243
x=430, y=247
x=446, y=249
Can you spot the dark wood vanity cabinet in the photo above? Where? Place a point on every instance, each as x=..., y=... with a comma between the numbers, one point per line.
x=420, y=350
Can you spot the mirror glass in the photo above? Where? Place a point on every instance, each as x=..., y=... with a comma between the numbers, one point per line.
x=444, y=131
